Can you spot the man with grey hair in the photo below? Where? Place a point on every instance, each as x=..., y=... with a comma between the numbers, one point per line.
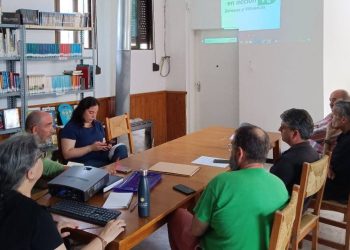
x=296, y=128
x=318, y=137
x=39, y=123
x=338, y=185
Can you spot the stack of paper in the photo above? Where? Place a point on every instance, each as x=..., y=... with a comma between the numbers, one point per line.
x=118, y=200
x=210, y=161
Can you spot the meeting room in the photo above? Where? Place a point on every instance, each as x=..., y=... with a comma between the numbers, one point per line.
x=133, y=124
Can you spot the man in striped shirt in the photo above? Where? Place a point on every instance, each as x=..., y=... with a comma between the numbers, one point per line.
x=320, y=136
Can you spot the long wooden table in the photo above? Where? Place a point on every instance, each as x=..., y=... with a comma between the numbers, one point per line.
x=164, y=200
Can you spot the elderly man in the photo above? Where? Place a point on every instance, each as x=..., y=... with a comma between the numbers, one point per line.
x=296, y=128
x=337, y=185
x=317, y=139
x=236, y=209
x=40, y=123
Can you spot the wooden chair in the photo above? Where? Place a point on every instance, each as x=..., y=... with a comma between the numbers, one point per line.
x=117, y=126
x=312, y=182
x=58, y=155
x=345, y=224
x=283, y=223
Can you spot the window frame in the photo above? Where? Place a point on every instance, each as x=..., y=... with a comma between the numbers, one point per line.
x=137, y=41
x=76, y=35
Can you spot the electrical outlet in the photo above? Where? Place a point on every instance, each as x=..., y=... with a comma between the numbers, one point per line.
x=155, y=67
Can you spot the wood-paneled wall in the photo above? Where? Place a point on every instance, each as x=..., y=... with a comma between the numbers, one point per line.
x=166, y=109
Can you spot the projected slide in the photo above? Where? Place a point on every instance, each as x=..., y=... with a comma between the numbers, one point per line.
x=250, y=14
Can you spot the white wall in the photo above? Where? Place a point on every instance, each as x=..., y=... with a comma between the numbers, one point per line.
x=176, y=44
x=279, y=69
x=336, y=50
x=142, y=79
x=286, y=73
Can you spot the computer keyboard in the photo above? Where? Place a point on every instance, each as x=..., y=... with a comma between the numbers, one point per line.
x=81, y=211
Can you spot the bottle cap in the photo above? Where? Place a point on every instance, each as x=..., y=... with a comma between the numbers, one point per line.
x=144, y=172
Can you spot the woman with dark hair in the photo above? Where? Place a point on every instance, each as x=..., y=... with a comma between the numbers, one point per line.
x=23, y=223
x=83, y=138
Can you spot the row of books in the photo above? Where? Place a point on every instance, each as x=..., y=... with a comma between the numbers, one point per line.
x=8, y=42
x=9, y=82
x=53, y=50
x=9, y=118
x=76, y=20
x=60, y=114
x=51, y=84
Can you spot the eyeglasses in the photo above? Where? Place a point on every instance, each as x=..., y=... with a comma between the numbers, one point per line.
x=229, y=147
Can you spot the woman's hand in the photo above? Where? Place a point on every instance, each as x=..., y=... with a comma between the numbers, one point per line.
x=111, y=169
x=63, y=224
x=100, y=146
x=112, y=229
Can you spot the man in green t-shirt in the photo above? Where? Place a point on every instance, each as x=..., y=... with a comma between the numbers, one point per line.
x=40, y=123
x=236, y=209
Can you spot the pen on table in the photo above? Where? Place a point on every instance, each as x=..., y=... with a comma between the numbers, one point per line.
x=133, y=206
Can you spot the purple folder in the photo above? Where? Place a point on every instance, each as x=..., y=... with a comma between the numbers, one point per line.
x=131, y=182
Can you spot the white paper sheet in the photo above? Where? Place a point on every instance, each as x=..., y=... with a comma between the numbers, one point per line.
x=206, y=160
x=118, y=200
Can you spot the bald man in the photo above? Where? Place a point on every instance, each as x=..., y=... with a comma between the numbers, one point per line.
x=320, y=137
x=40, y=123
x=233, y=203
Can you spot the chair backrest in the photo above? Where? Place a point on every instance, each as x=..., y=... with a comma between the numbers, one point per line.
x=312, y=182
x=59, y=154
x=117, y=126
x=283, y=223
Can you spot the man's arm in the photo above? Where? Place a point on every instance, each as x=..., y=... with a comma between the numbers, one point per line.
x=52, y=168
x=284, y=170
x=198, y=227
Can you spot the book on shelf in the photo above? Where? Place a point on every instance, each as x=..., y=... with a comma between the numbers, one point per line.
x=53, y=84
x=9, y=40
x=58, y=19
x=9, y=81
x=55, y=50
x=87, y=75
x=1, y=119
x=29, y=16
x=31, y=109
x=11, y=118
x=52, y=111
x=73, y=72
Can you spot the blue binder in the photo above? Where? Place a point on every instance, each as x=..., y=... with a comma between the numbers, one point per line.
x=131, y=182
